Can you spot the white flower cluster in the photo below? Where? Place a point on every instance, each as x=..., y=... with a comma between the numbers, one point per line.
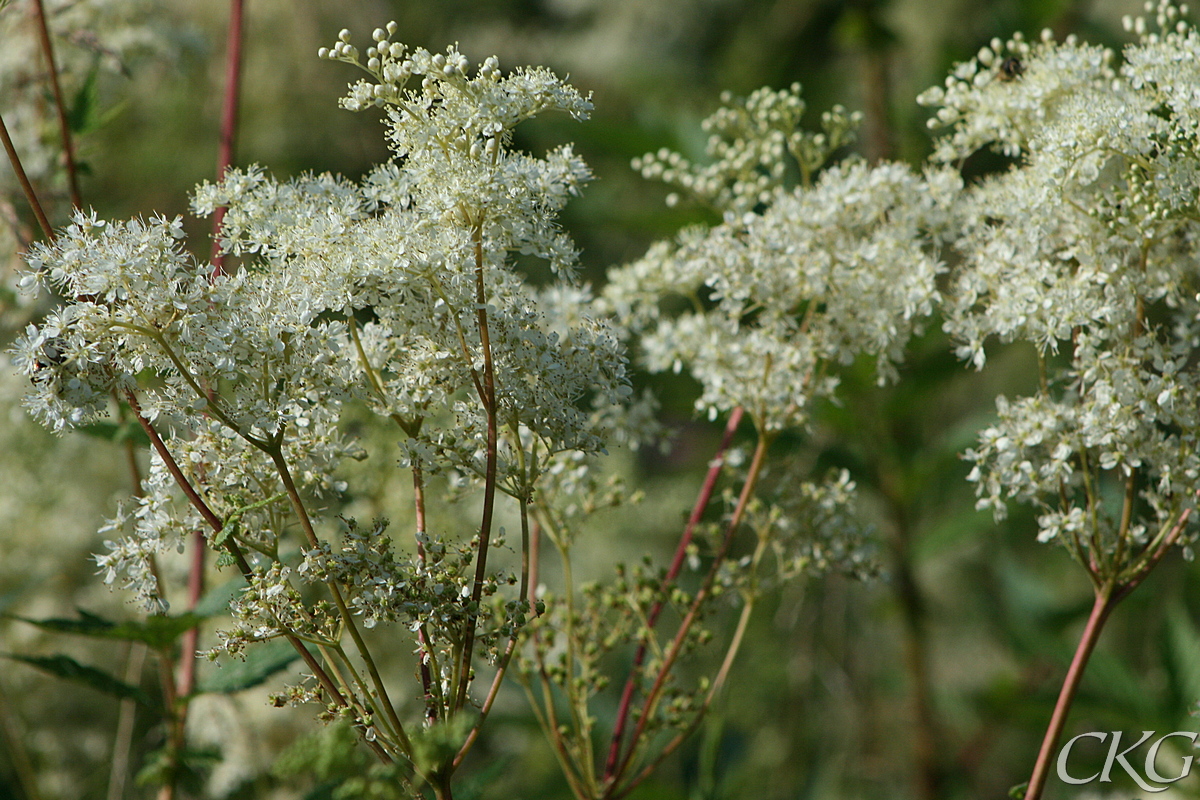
x=827, y=272
x=453, y=136
x=1086, y=244
x=228, y=346
x=748, y=146
x=398, y=292
x=1010, y=88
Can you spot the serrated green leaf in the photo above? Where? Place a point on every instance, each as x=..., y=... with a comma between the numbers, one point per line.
x=157, y=632
x=261, y=662
x=69, y=669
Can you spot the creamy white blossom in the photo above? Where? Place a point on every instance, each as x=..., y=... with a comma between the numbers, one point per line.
x=1084, y=248
x=828, y=272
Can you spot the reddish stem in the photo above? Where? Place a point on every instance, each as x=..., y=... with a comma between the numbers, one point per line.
x=23, y=179
x=229, y=119
x=233, y=71
x=191, y=638
x=217, y=525
x=1101, y=608
x=702, y=500
x=756, y=465
x=488, y=399
x=60, y=106
x=1107, y=597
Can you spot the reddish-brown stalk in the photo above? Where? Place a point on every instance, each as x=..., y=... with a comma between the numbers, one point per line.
x=60, y=106
x=229, y=119
x=612, y=788
x=195, y=585
x=1106, y=599
x=702, y=500
x=488, y=398
x=23, y=179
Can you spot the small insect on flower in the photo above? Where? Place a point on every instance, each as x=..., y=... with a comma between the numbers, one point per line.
x=1010, y=69
x=49, y=355
x=52, y=349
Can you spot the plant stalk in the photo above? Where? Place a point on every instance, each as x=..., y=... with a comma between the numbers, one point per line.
x=64, y=127
x=702, y=501
x=1104, y=603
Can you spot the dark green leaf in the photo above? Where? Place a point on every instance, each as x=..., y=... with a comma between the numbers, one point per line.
x=81, y=117
x=261, y=662
x=114, y=432
x=69, y=669
x=157, y=631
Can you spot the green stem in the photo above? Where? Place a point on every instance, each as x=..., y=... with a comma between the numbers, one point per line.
x=289, y=485
x=506, y=658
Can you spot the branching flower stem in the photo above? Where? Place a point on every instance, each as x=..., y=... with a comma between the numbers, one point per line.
x=523, y=593
x=1107, y=595
x=735, y=645
x=276, y=455
x=702, y=501
x=216, y=525
x=489, y=488
x=1101, y=608
x=613, y=787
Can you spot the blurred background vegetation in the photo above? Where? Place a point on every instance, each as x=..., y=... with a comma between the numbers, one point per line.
x=936, y=682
